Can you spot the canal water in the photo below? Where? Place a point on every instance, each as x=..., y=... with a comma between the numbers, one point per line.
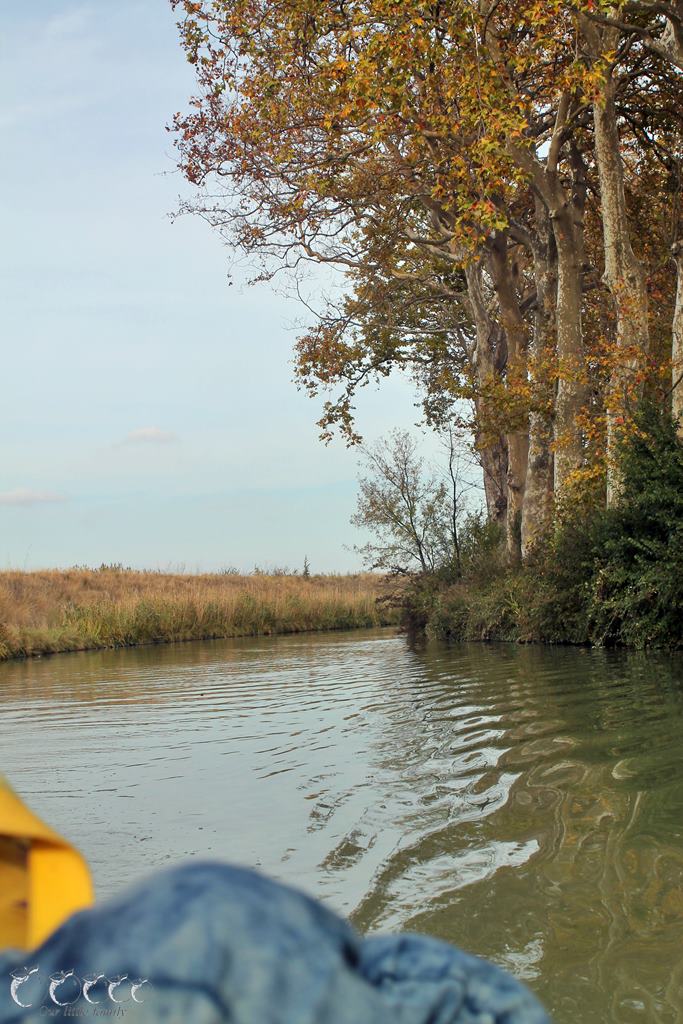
x=525, y=803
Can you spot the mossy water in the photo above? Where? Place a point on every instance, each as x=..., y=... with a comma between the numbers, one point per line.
x=525, y=803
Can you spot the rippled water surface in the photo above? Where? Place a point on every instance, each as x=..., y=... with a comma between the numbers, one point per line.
x=524, y=803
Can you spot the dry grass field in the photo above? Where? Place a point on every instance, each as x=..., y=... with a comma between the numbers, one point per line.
x=85, y=609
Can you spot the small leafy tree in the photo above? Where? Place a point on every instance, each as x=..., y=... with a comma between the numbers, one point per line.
x=413, y=510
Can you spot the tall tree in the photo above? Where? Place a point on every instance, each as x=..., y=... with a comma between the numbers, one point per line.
x=637, y=115
x=445, y=157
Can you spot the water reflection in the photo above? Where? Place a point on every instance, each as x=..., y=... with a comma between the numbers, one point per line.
x=525, y=803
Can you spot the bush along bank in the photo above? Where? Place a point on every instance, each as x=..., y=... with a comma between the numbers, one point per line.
x=601, y=577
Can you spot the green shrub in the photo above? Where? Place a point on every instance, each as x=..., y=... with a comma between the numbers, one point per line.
x=599, y=576
x=637, y=590
x=481, y=547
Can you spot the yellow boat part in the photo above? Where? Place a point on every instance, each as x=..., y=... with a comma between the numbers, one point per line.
x=43, y=880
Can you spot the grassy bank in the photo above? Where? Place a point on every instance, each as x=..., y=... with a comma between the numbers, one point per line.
x=76, y=610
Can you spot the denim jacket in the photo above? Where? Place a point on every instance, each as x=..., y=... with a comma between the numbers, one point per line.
x=214, y=944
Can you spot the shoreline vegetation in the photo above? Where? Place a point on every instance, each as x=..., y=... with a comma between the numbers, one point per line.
x=60, y=611
x=600, y=577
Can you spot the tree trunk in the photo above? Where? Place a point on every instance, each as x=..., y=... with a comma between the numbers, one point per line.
x=514, y=327
x=538, y=496
x=571, y=391
x=494, y=463
x=677, y=342
x=485, y=359
x=624, y=274
x=565, y=206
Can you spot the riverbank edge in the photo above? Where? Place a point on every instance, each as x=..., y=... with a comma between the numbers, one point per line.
x=164, y=642
x=521, y=607
x=67, y=611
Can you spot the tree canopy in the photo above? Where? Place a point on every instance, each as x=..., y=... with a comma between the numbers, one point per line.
x=499, y=183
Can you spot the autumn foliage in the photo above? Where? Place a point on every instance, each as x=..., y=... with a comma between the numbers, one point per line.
x=497, y=183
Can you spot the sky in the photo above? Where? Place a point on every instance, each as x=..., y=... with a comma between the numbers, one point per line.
x=148, y=415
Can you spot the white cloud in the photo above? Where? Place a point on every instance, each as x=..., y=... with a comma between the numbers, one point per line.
x=23, y=496
x=150, y=435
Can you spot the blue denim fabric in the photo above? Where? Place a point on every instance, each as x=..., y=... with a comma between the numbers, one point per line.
x=224, y=944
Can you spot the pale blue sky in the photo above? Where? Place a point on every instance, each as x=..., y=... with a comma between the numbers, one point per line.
x=148, y=415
